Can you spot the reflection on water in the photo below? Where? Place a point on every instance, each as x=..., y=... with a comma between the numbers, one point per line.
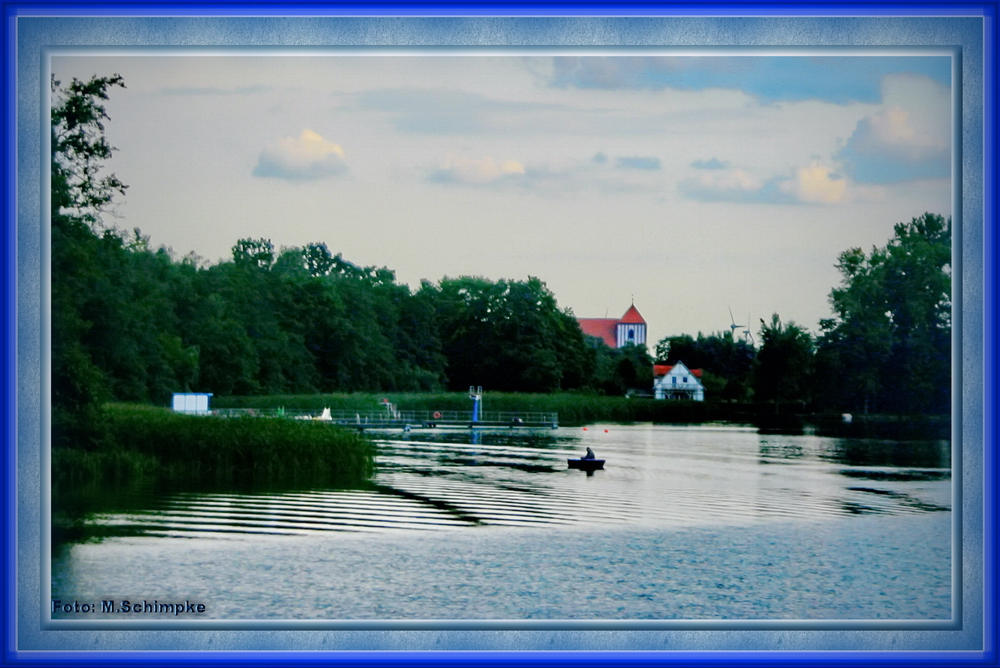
x=655, y=476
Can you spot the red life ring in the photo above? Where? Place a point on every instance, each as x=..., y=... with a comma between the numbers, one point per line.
x=437, y=416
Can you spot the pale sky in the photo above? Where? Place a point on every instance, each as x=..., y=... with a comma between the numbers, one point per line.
x=694, y=185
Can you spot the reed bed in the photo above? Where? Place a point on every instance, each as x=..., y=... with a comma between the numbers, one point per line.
x=144, y=441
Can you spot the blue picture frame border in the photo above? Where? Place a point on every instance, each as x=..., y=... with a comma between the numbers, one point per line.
x=23, y=362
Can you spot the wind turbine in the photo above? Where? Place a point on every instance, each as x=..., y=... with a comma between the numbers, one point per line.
x=747, y=334
x=734, y=326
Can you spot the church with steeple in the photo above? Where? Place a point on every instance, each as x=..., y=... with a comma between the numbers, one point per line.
x=617, y=333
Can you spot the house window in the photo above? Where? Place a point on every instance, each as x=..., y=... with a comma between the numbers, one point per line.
x=675, y=380
x=685, y=379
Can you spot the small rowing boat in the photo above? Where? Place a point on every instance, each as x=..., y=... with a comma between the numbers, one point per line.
x=585, y=464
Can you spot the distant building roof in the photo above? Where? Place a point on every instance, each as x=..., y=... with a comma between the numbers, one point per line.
x=605, y=329
x=664, y=369
x=632, y=316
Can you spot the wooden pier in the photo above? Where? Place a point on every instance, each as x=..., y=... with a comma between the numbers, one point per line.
x=395, y=419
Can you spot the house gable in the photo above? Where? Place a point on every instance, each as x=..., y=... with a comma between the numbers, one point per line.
x=664, y=369
x=677, y=381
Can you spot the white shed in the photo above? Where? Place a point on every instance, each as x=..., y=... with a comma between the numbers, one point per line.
x=191, y=402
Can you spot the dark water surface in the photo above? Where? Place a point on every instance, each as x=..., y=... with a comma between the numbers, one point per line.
x=698, y=522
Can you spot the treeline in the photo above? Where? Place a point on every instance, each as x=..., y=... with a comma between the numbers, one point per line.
x=142, y=325
x=887, y=348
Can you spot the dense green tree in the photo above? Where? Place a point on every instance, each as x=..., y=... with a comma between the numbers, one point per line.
x=576, y=359
x=79, y=150
x=79, y=195
x=617, y=371
x=77, y=384
x=508, y=336
x=784, y=363
x=228, y=360
x=133, y=333
x=318, y=259
x=635, y=368
x=254, y=253
x=888, y=346
x=605, y=376
x=418, y=344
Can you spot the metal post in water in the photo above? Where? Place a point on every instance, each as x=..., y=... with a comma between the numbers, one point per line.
x=476, y=394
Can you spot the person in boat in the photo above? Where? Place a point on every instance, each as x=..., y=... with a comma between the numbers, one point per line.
x=590, y=454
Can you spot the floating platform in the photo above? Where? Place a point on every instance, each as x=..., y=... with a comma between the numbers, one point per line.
x=384, y=419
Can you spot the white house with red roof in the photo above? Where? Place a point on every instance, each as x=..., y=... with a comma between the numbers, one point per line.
x=617, y=333
x=676, y=381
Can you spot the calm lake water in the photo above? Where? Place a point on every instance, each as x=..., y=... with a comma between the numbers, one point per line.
x=716, y=522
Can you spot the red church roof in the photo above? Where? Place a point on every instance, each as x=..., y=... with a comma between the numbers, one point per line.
x=632, y=316
x=605, y=329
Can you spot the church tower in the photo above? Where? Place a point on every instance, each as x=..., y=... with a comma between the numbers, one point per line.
x=631, y=328
x=617, y=333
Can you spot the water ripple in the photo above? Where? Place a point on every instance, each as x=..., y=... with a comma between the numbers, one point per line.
x=690, y=478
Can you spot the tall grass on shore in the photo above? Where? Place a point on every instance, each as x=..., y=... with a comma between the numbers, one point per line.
x=139, y=453
x=144, y=441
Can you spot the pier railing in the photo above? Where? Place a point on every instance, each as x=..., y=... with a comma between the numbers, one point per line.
x=400, y=418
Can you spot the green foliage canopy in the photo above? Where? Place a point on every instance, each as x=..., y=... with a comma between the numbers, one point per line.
x=508, y=336
x=784, y=363
x=888, y=345
x=79, y=150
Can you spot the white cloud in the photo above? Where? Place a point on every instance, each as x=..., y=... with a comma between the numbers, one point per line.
x=550, y=176
x=811, y=184
x=477, y=171
x=736, y=179
x=307, y=157
x=723, y=186
x=891, y=131
x=896, y=145
x=816, y=184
